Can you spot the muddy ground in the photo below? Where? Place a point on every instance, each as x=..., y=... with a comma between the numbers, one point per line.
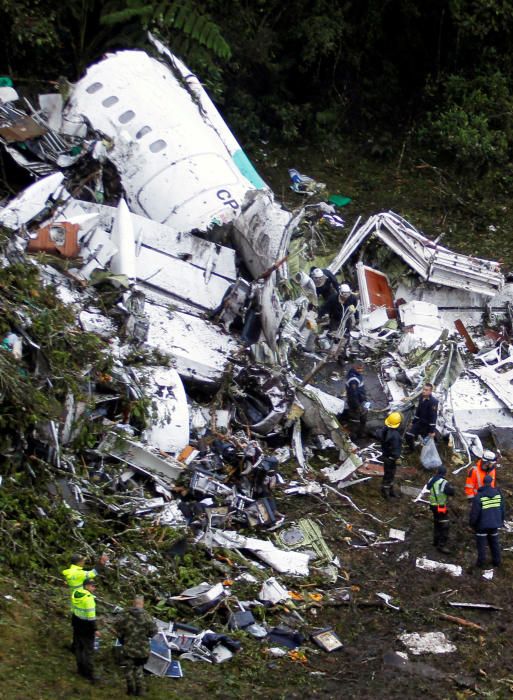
x=34, y=629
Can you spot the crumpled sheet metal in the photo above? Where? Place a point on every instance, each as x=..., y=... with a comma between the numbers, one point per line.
x=427, y=643
x=431, y=261
x=294, y=563
x=31, y=202
x=263, y=398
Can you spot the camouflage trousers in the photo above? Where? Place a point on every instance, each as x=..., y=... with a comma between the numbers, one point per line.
x=134, y=670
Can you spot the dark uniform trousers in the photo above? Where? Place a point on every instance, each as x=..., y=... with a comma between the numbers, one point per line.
x=488, y=538
x=389, y=468
x=440, y=527
x=83, y=639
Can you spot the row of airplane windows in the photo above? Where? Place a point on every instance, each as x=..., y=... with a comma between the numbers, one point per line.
x=126, y=117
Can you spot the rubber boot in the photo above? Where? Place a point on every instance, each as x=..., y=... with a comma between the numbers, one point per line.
x=385, y=492
x=394, y=493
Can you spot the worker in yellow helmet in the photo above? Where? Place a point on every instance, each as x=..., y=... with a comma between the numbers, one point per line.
x=391, y=443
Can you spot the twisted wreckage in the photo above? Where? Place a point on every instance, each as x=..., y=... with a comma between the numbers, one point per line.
x=140, y=183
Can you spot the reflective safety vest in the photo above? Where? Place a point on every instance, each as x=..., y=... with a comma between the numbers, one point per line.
x=83, y=604
x=75, y=576
x=493, y=502
x=436, y=495
x=475, y=479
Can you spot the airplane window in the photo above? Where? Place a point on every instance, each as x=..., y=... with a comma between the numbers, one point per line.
x=109, y=101
x=126, y=116
x=94, y=88
x=142, y=132
x=157, y=146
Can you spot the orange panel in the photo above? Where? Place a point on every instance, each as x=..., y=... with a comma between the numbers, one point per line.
x=56, y=238
x=380, y=292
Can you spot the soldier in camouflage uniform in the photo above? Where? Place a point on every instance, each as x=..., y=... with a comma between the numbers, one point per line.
x=134, y=629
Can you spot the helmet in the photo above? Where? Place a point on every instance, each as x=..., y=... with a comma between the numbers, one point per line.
x=317, y=273
x=393, y=420
x=344, y=289
x=489, y=456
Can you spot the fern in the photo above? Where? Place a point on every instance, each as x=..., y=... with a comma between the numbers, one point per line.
x=183, y=17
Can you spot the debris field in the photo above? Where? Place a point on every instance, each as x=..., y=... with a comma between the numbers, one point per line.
x=173, y=397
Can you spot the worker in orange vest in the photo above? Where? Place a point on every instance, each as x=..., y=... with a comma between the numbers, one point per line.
x=476, y=474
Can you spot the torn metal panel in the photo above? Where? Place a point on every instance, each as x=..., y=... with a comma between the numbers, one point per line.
x=32, y=201
x=499, y=378
x=169, y=430
x=331, y=403
x=306, y=535
x=427, y=643
x=321, y=422
x=422, y=323
x=440, y=567
x=271, y=312
x=96, y=251
x=334, y=475
x=201, y=350
x=94, y=321
x=51, y=106
x=474, y=407
x=180, y=278
x=431, y=261
x=210, y=257
x=262, y=232
x=140, y=457
x=263, y=399
x=284, y=562
x=174, y=166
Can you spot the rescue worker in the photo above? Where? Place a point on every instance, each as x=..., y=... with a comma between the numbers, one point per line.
x=391, y=443
x=486, y=517
x=356, y=395
x=84, y=628
x=339, y=305
x=424, y=420
x=439, y=490
x=325, y=281
x=75, y=575
x=477, y=472
x=134, y=628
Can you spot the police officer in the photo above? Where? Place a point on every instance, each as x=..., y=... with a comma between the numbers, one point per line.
x=439, y=490
x=424, y=420
x=325, y=281
x=134, y=628
x=356, y=395
x=75, y=575
x=83, y=605
x=486, y=517
x=477, y=472
x=391, y=443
